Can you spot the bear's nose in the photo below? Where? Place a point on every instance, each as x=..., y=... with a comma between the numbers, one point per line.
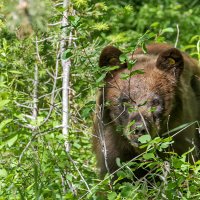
x=140, y=127
x=140, y=130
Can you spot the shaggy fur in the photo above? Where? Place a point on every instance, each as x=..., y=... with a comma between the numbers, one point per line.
x=170, y=85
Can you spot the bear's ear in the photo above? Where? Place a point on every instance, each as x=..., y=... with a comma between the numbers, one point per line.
x=171, y=61
x=110, y=57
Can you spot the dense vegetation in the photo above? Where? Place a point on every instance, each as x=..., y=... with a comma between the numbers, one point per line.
x=34, y=163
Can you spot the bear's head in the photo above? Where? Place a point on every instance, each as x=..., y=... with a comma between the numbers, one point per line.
x=141, y=102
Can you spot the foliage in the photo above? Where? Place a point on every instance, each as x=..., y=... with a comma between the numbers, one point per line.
x=34, y=164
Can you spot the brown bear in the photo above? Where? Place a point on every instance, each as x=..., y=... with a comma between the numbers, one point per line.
x=162, y=92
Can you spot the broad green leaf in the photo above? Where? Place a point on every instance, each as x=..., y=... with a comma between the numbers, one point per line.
x=167, y=30
x=4, y=123
x=177, y=163
x=118, y=162
x=112, y=196
x=77, y=145
x=3, y=173
x=124, y=76
x=3, y=103
x=165, y=145
x=155, y=24
x=144, y=138
x=69, y=177
x=148, y=156
x=122, y=58
x=12, y=140
x=3, y=54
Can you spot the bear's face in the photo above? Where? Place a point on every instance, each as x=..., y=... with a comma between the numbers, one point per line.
x=142, y=103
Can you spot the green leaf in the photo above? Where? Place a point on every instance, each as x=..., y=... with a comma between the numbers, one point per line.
x=131, y=64
x=3, y=103
x=69, y=177
x=112, y=196
x=155, y=24
x=127, y=190
x=74, y=20
x=164, y=145
x=123, y=58
x=151, y=35
x=144, y=138
x=167, y=30
x=124, y=76
x=3, y=173
x=144, y=49
x=110, y=68
x=181, y=127
x=138, y=71
x=15, y=72
x=148, y=156
x=131, y=123
x=177, y=163
x=67, y=54
x=195, y=38
x=12, y=140
x=101, y=78
x=77, y=145
x=118, y=162
x=4, y=123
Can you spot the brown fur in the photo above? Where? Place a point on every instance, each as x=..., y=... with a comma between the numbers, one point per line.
x=170, y=84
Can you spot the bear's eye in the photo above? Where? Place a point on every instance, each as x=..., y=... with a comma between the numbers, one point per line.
x=124, y=99
x=155, y=102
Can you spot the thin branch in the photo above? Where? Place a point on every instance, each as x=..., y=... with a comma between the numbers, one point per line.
x=23, y=106
x=177, y=36
x=198, y=50
x=26, y=147
x=102, y=139
x=36, y=134
x=55, y=24
x=35, y=84
x=37, y=51
x=53, y=91
x=59, y=4
x=66, y=64
x=70, y=158
x=110, y=175
x=46, y=95
x=35, y=93
x=48, y=38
